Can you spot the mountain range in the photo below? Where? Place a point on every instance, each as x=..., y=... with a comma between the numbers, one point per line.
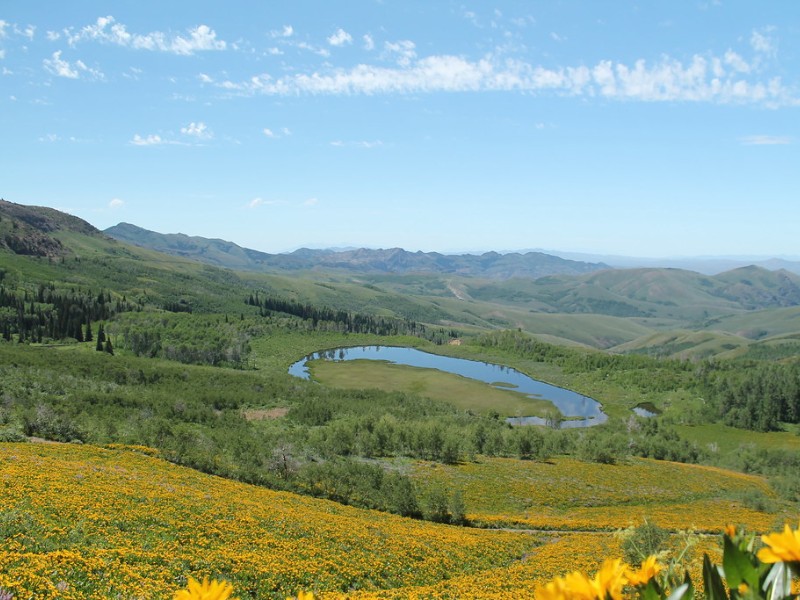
x=491, y=265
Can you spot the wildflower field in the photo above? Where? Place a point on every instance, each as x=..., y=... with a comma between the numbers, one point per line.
x=567, y=494
x=87, y=522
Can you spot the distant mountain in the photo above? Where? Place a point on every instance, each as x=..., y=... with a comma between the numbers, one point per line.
x=708, y=265
x=35, y=230
x=664, y=293
x=490, y=265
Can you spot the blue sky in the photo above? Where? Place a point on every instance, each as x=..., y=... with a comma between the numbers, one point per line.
x=634, y=128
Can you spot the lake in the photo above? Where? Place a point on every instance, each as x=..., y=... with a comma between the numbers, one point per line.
x=578, y=410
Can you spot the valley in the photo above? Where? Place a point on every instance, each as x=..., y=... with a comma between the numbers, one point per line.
x=178, y=443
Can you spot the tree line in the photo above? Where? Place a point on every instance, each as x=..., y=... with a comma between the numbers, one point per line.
x=51, y=314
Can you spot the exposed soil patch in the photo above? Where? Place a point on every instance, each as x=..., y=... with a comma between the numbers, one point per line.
x=260, y=414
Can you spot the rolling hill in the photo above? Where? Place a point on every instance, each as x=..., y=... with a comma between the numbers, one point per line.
x=628, y=310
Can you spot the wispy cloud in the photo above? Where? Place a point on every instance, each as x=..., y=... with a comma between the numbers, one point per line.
x=766, y=140
x=107, y=30
x=284, y=132
x=256, y=202
x=311, y=202
x=116, y=204
x=762, y=41
x=340, y=38
x=361, y=144
x=403, y=51
x=702, y=79
x=57, y=66
x=369, y=42
x=197, y=130
x=286, y=32
x=150, y=140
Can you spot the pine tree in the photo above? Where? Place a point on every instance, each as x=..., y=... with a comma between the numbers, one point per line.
x=101, y=337
x=108, y=347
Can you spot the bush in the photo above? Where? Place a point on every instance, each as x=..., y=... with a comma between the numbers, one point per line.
x=645, y=540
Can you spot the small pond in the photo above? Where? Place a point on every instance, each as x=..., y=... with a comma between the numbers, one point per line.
x=578, y=410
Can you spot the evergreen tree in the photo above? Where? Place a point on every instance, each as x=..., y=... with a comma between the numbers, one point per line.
x=109, y=348
x=101, y=338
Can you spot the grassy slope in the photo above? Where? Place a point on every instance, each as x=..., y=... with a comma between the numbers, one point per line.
x=84, y=522
x=563, y=493
x=110, y=522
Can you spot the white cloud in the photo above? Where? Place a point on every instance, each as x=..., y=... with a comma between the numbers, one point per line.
x=205, y=78
x=340, y=38
x=762, y=42
x=2, y=54
x=29, y=32
x=150, y=140
x=404, y=51
x=3, y=25
x=766, y=140
x=53, y=36
x=198, y=130
x=284, y=132
x=57, y=66
x=318, y=51
x=736, y=62
x=369, y=43
x=50, y=137
x=311, y=202
x=701, y=79
x=556, y=38
x=116, y=203
x=107, y=30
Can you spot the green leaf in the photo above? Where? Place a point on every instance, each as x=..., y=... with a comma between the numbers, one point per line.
x=715, y=589
x=651, y=591
x=738, y=566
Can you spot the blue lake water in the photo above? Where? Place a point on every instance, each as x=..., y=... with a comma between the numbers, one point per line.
x=579, y=410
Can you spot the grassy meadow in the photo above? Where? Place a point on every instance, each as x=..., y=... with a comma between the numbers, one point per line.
x=88, y=522
x=461, y=392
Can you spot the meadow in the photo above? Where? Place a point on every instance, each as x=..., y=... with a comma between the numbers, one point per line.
x=88, y=522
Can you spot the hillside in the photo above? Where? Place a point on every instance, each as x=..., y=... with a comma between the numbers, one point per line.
x=34, y=230
x=87, y=522
x=395, y=260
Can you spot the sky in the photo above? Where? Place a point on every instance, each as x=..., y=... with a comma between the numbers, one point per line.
x=652, y=129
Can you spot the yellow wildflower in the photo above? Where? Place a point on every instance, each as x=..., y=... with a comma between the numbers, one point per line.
x=730, y=531
x=610, y=579
x=743, y=587
x=574, y=586
x=646, y=572
x=782, y=547
x=208, y=590
x=301, y=595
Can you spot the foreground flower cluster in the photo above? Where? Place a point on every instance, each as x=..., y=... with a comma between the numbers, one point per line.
x=744, y=574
